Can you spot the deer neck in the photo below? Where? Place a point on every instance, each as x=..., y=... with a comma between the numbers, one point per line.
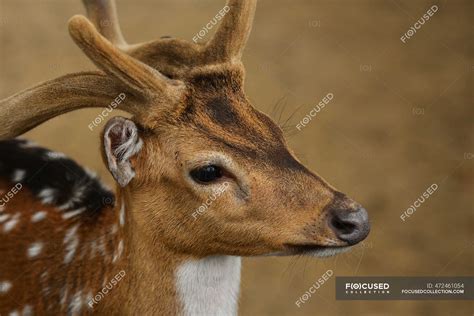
x=159, y=280
x=209, y=286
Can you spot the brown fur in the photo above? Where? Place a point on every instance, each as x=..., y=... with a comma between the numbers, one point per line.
x=193, y=107
x=29, y=284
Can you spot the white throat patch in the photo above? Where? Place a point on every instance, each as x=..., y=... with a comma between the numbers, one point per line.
x=209, y=286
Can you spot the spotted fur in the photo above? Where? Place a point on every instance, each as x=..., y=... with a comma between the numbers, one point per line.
x=60, y=222
x=53, y=178
x=189, y=110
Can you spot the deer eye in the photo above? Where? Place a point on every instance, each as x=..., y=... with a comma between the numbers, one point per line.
x=206, y=174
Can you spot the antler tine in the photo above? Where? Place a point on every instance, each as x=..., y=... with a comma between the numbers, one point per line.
x=130, y=71
x=226, y=45
x=103, y=13
x=31, y=107
x=143, y=86
x=230, y=38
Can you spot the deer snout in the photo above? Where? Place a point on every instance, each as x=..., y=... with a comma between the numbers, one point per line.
x=351, y=226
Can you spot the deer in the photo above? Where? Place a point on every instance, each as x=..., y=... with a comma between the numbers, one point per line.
x=70, y=245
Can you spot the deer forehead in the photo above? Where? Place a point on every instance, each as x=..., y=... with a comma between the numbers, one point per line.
x=217, y=115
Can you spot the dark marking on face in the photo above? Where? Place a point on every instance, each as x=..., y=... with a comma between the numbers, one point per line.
x=273, y=128
x=282, y=158
x=221, y=112
x=274, y=154
x=218, y=109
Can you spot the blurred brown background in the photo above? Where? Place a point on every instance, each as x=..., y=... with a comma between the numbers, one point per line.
x=401, y=119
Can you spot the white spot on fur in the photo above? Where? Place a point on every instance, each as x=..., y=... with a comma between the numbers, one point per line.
x=77, y=197
x=27, y=311
x=55, y=155
x=93, y=249
x=14, y=313
x=5, y=286
x=38, y=216
x=122, y=213
x=75, y=305
x=46, y=290
x=101, y=246
x=44, y=280
x=71, y=240
x=63, y=295
x=28, y=144
x=47, y=196
x=44, y=276
x=71, y=214
x=35, y=249
x=10, y=225
x=90, y=172
x=119, y=251
x=83, y=252
x=114, y=229
x=4, y=217
x=18, y=175
x=209, y=286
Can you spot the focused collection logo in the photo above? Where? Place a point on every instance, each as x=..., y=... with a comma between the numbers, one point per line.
x=367, y=288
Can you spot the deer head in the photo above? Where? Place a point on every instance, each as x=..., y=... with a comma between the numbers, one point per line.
x=194, y=140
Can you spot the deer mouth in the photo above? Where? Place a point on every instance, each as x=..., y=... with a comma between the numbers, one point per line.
x=316, y=250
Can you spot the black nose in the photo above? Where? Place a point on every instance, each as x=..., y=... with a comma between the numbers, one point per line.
x=351, y=226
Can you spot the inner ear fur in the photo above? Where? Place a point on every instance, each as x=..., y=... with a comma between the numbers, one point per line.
x=121, y=141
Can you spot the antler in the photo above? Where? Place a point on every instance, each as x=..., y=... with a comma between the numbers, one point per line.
x=131, y=72
x=130, y=68
x=103, y=13
x=142, y=84
x=226, y=45
x=29, y=108
x=231, y=37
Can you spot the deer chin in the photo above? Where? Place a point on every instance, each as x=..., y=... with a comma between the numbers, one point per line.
x=310, y=250
x=317, y=250
x=327, y=251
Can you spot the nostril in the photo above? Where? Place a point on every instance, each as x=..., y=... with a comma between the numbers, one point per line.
x=342, y=226
x=351, y=226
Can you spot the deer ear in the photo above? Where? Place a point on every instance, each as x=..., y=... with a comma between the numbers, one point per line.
x=121, y=141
